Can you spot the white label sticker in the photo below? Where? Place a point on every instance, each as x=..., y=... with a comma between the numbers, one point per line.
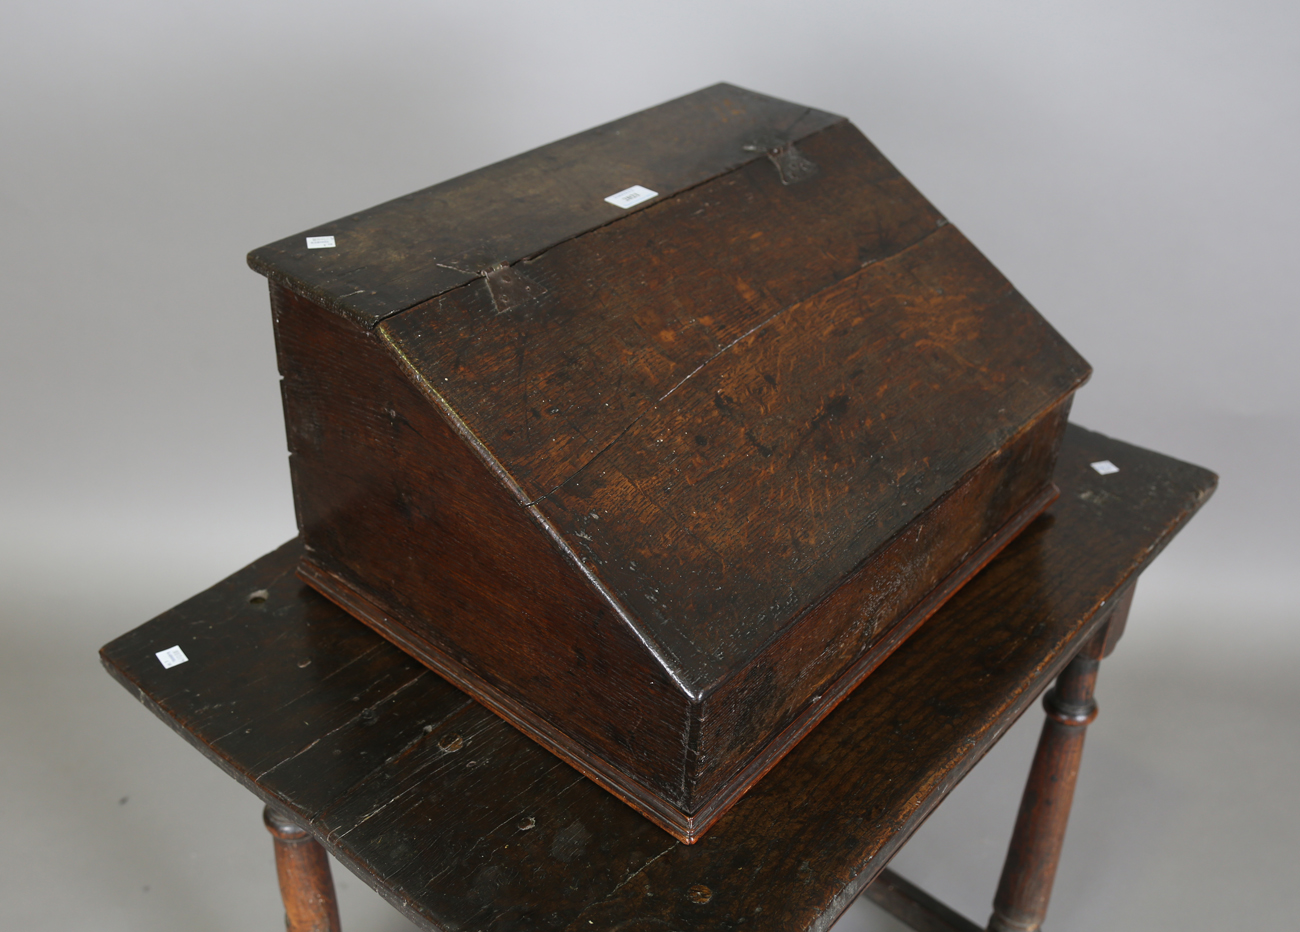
x=630, y=197
x=320, y=242
x=171, y=657
x=1105, y=467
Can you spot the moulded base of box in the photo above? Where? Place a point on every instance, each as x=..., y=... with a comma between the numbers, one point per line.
x=687, y=827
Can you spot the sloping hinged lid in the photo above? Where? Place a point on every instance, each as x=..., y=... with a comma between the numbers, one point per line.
x=408, y=250
x=726, y=401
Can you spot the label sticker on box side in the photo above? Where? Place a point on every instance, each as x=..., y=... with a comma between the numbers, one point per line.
x=320, y=242
x=630, y=197
x=171, y=657
x=1104, y=467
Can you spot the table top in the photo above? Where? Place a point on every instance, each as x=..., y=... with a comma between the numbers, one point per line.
x=462, y=823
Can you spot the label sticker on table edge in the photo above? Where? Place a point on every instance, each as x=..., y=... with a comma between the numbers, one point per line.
x=1104, y=467
x=171, y=657
x=630, y=197
x=320, y=242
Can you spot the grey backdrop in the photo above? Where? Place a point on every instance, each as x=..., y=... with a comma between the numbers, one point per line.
x=1131, y=166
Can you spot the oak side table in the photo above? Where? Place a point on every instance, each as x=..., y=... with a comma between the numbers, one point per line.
x=464, y=824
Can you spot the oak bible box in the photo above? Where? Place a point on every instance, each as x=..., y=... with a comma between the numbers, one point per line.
x=657, y=439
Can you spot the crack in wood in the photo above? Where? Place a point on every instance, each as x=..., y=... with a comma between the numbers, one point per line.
x=358, y=717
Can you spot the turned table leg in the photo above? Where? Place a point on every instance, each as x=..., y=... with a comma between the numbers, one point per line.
x=304, y=870
x=1030, y=867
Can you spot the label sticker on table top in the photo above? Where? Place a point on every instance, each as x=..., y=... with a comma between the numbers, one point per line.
x=1104, y=467
x=320, y=242
x=630, y=197
x=171, y=657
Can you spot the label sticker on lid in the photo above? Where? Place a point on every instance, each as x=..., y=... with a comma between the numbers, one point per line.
x=320, y=242
x=171, y=657
x=1104, y=467
x=630, y=197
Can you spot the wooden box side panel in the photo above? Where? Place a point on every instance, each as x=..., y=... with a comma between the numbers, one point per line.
x=408, y=529
x=756, y=717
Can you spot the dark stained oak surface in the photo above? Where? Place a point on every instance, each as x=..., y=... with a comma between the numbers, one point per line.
x=752, y=433
x=464, y=824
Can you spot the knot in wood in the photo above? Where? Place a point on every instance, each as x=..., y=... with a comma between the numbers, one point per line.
x=699, y=893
